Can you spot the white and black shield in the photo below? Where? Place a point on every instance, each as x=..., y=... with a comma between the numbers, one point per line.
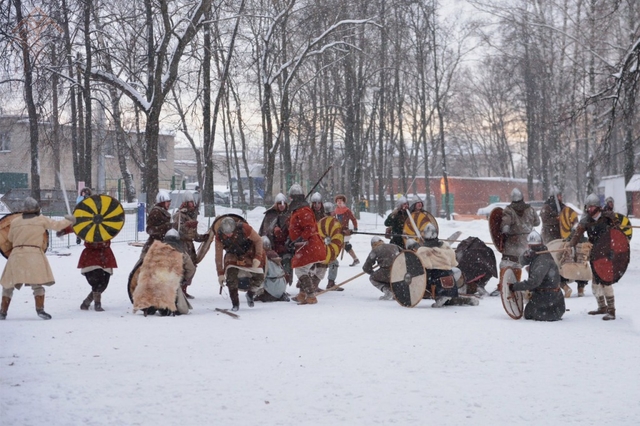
x=408, y=279
x=513, y=302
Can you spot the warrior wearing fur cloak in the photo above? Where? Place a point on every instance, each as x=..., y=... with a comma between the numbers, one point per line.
x=275, y=226
x=166, y=266
x=244, y=257
x=27, y=263
x=381, y=255
x=596, y=223
x=310, y=249
x=546, y=302
x=518, y=220
x=185, y=220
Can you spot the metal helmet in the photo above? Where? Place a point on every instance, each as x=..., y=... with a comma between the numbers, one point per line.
x=281, y=198
x=227, y=225
x=329, y=207
x=516, y=194
x=30, y=205
x=295, y=189
x=609, y=200
x=316, y=197
x=187, y=197
x=163, y=195
x=375, y=241
x=534, y=239
x=592, y=201
x=400, y=201
x=172, y=235
x=430, y=232
x=415, y=200
x=266, y=242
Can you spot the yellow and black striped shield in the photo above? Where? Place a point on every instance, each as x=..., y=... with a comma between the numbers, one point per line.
x=330, y=231
x=421, y=219
x=625, y=225
x=98, y=218
x=567, y=218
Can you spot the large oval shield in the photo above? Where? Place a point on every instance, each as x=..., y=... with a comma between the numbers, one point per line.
x=408, y=279
x=204, y=247
x=133, y=280
x=5, y=244
x=513, y=302
x=330, y=231
x=568, y=217
x=421, y=219
x=610, y=256
x=495, y=220
x=98, y=218
x=625, y=225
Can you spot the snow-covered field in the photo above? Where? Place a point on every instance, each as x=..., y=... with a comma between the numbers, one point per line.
x=351, y=359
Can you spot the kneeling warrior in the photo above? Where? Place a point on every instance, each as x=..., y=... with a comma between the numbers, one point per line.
x=244, y=257
x=547, y=301
x=165, y=268
x=381, y=255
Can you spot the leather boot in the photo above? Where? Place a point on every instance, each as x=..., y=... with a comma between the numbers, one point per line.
x=316, y=284
x=5, y=307
x=332, y=286
x=567, y=291
x=611, y=309
x=249, y=296
x=184, y=290
x=40, y=308
x=602, y=307
x=97, y=302
x=306, y=291
x=235, y=300
x=356, y=261
x=580, y=291
x=87, y=302
x=300, y=297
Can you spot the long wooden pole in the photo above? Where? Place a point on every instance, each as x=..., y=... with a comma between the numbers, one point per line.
x=341, y=284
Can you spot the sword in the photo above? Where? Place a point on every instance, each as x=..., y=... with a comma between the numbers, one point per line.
x=64, y=191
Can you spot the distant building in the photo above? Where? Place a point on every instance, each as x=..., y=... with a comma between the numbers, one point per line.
x=15, y=159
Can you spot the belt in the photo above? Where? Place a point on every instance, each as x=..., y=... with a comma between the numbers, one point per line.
x=556, y=289
x=27, y=245
x=511, y=258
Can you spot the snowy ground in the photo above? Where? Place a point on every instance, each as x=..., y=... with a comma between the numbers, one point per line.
x=351, y=359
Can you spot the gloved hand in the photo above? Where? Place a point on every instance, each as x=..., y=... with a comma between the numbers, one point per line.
x=277, y=232
x=65, y=231
x=71, y=218
x=255, y=263
x=346, y=232
x=221, y=280
x=571, y=251
x=191, y=224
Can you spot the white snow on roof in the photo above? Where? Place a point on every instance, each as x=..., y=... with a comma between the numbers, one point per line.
x=634, y=184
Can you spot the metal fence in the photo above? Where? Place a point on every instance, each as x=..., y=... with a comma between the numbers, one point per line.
x=128, y=233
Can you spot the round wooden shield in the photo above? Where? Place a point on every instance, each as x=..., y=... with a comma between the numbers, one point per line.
x=330, y=231
x=5, y=244
x=625, y=225
x=610, y=256
x=568, y=217
x=513, y=302
x=133, y=280
x=98, y=218
x=495, y=220
x=204, y=247
x=421, y=219
x=408, y=279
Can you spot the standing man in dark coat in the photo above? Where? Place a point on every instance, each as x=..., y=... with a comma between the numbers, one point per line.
x=596, y=223
x=275, y=226
x=158, y=220
x=550, y=216
x=547, y=301
x=395, y=221
x=381, y=255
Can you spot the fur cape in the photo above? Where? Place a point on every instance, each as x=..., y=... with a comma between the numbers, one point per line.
x=160, y=277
